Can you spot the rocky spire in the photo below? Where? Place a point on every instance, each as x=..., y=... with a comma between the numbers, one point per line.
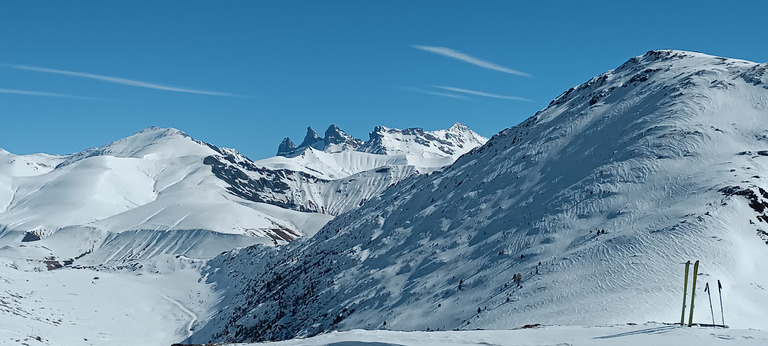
x=310, y=139
x=285, y=147
x=334, y=135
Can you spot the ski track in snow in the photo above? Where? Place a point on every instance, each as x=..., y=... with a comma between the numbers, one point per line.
x=178, y=222
x=192, y=315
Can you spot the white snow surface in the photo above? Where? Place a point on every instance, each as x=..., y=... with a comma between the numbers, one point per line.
x=621, y=335
x=337, y=165
x=667, y=156
x=157, y=303
x=454, y=141
x=27, y=165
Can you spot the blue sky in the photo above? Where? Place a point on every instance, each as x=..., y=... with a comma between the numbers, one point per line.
x=245, y=74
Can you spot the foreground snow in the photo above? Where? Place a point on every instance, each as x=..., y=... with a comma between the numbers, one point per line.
x=626, y=335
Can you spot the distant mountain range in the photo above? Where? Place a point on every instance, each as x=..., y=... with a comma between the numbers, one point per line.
x=180, y=195
x=453, y=142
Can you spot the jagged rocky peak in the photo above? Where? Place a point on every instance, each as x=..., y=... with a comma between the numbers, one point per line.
x=455, y=141
x=338, y=140
x=286, y=146
x=311, y=139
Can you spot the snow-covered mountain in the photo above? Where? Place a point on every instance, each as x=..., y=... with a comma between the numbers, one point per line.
x=160, y=191
x=453, y=142
x=596, y=202
x=140, y=196
x=338, y=155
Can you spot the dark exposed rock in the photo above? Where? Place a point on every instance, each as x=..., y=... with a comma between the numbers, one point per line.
x=334, y=135
x=269, y=188
x=311, y=139
x=286, y=146
x=30, y=236
x=755, y=202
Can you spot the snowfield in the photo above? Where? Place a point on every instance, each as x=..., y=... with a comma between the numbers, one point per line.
x=624, y=335
x=157, y=303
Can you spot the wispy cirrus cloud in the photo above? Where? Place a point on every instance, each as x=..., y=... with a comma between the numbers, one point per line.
x=432, y=92
x=44, y=94
x=123, y=81
x=469, y=59
x=481, y=93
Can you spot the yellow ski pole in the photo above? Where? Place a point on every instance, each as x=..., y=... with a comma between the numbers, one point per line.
x=693, y=291
x=685, y=292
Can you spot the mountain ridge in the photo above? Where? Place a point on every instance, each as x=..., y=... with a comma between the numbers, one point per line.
x=162, y=180
x=595, y=201
x=454, y=141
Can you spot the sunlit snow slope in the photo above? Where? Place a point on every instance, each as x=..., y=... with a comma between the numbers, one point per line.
x=666, y=156
x=153, y=184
